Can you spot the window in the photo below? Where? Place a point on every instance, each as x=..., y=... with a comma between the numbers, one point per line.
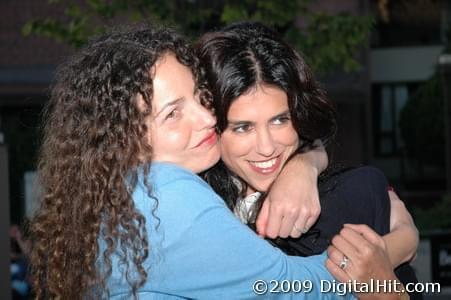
x=388, y=102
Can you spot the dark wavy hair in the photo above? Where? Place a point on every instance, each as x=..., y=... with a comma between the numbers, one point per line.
x=244, y=55
x=93, y=149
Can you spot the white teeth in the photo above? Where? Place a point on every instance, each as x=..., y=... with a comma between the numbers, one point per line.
x=265, y=164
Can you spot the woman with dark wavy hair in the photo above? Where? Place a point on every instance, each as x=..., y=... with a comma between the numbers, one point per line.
x=122, y=212
x=269, y=107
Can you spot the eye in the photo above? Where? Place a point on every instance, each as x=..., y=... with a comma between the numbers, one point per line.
x=241, y=128
x=281, y=120
x=174, y=114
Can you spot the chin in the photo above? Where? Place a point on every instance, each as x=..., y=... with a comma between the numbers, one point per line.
x=263, y=187
x=206, y=164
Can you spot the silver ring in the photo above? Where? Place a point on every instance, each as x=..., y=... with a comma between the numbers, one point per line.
x=301, y=230
x=344, y=262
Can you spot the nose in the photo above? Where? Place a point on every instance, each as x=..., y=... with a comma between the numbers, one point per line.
x=203, y=117
x=265, y=142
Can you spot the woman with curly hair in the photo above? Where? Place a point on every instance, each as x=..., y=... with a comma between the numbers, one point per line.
x=122, y=212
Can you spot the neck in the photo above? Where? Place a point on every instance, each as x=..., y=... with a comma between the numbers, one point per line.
x=250, y=190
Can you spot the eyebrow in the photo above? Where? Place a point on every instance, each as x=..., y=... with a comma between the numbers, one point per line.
x=245, y=122
x=239, y=123
x=171, y=103
x=282, y=114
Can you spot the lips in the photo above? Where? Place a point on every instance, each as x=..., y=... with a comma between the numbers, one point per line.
x=209, y=139
x=267, y=166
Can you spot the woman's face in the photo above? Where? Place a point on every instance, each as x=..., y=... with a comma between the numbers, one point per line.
x=259, y=136
x=182, y=131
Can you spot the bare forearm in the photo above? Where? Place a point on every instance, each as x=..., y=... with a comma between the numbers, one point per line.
x=402, y=243
x=316, y=157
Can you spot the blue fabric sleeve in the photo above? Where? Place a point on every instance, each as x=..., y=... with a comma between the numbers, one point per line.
x=200, y=250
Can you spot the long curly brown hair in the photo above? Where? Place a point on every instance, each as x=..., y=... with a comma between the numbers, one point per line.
x=94, y=141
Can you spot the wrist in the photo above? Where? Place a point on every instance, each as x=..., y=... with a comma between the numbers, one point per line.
x=302, y=164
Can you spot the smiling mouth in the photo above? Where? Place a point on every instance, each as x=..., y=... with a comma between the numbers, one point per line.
x=267, y=166
x=264, y=164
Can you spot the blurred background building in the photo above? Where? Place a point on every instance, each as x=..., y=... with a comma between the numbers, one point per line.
x=391, y=96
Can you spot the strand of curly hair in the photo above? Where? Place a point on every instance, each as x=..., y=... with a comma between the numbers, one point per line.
x=94, y=147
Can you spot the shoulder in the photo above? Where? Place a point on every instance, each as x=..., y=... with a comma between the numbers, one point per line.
x=162, y=173
x=358, y=196
x=176, y=200
x=363, y=183
x=167, y=178
x=366, y=175
x=175, y=190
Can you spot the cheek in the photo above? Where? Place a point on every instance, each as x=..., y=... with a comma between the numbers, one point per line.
x=233, y=148
x=167, y=141
x=289, y=138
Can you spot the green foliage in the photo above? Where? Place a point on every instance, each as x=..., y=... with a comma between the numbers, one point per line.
x=333, y=40
x=276, y=13
x=422, y=123
x=75, y=32
x=327, y=41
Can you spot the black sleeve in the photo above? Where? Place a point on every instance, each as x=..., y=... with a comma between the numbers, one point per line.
x=356, y=196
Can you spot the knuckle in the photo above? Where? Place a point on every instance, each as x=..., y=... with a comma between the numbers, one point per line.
x=295, y=234
x=316, y=211
x=304, y=212
x=329, y=250
x=344, y=231
x=367, y=251
x=271, y=234
x=280, y=205
x=335, y=239
x=292, y=211
x=283, y=235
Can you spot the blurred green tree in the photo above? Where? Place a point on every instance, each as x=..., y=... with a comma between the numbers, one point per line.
x=327, y=41
x=422, y=124
x=422, y=120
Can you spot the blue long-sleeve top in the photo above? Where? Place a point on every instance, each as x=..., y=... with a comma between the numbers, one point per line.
x=199, y=249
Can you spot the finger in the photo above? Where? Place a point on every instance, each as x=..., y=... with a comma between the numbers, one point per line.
x=274, y=221
x=334, y=254
x=346, y=247
x=311, y=220
x=353, y=237
x=298, y=229
x=366, y=232
x=300, y=225
x=295, y=233
x=336, y=271
x=287, y=225
x=262, y=218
